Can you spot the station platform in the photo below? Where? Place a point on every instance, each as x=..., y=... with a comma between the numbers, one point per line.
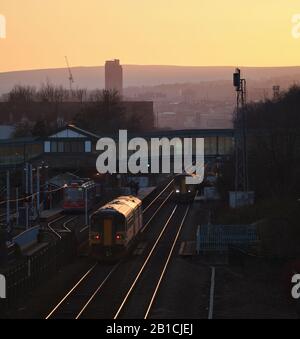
x=145, y=192
x=34, y=249
x=49, y=215
x=187, y=248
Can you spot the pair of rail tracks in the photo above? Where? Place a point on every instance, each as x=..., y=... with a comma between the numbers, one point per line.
x=76, y=304
x=60, y=225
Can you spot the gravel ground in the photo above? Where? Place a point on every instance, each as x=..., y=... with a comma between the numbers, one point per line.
x=252, y=294
x=38, y=304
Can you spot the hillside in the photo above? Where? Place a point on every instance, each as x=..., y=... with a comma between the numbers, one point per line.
x=93, y=77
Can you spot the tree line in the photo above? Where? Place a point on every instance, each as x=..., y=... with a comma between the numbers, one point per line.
x=273, y=129
x=101, y=111
x=47, y=92
x=273, y=143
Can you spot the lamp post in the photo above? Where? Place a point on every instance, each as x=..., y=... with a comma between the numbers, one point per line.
x=38, y=191
x=26, y=169
x=7, y=199
x=31, y=183
x=86, y=208
x=17, y=206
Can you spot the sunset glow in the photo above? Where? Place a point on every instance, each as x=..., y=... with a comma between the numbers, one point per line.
x=171, y=32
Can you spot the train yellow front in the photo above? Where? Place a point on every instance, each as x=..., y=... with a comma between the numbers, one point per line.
x=115, y=228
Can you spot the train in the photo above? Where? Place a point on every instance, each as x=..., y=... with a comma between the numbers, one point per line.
x=183, y=192
x=115, y=228
x=78, y=195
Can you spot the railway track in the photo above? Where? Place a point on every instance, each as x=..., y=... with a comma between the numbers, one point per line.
x=132, y=290
x=142, y=294
x=75, y=303
x=58, y=226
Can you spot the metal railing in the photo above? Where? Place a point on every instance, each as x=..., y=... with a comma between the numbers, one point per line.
x=37, y=268
x=220, y=237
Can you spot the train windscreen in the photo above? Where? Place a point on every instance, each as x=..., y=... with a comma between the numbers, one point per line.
x=98, y=221
x=74, y=194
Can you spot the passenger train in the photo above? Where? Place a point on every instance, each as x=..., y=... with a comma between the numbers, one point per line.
x=184, y=192
x=115, y=228
x=79, y=193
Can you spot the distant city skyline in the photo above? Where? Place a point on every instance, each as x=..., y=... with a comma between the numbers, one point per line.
x=158, y=32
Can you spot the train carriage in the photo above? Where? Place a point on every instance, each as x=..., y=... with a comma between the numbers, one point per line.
x=184, y=192
x=78, y=194
x=115, y=227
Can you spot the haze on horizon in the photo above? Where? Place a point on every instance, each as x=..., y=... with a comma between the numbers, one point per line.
x=149, y=32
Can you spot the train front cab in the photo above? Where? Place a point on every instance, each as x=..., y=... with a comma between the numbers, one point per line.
x=107, y=238
x=75, y=196
x=183, y=193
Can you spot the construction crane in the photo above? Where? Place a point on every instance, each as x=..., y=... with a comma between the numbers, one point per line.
x=71, y=78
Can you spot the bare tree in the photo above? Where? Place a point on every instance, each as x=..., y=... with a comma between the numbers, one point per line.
x=274, y=141
x=22, y=94
x=105, y=113
x=79, y=94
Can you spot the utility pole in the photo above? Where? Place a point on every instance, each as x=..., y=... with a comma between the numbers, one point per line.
x=31, y=191
x=241, y=153
x=27, y=217
x=26, y=178
x=17, y=206
x=38, y=191
x=86, y=208
x=7, y=200
x=27, y=193
x=31, y=183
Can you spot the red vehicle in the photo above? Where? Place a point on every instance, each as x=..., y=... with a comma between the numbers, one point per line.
x=78, y=194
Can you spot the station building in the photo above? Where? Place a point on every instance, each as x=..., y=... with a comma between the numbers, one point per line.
x=72, y=148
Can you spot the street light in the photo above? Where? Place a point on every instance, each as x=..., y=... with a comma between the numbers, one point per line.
x=38, y=190
x=7, y=199
x=17, y=206
x=86, y=207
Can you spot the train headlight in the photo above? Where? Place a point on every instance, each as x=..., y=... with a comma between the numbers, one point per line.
x=177, y=191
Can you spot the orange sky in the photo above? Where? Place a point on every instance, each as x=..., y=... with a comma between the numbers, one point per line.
x=173, y=32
